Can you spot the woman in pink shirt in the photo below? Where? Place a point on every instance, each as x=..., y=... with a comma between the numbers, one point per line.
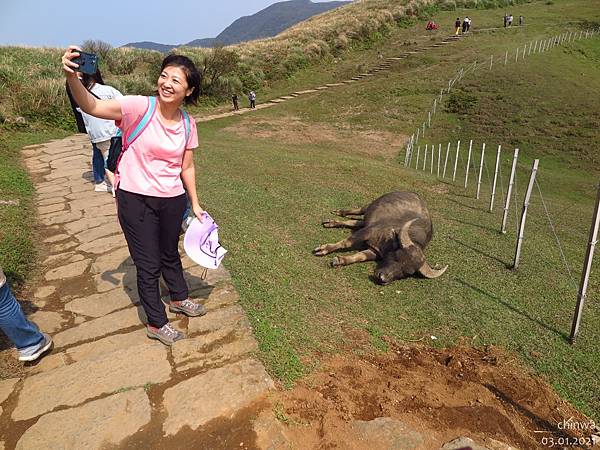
x=155, y=172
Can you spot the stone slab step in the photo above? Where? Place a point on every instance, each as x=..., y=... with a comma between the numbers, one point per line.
x=73, y=384
x=95, y=425
x=217, y=393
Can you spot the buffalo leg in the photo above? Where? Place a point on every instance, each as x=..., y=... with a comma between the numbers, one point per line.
x=332, y=223
x=350, y=212
x=365, y=255
x=325, y=249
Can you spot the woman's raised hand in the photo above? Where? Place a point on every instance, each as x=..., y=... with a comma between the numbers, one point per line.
x=68, y=64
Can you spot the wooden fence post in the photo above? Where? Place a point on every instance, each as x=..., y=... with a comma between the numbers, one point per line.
x=495, y=178
x=429, y=119
x=587, y=267
x=517, y=55
x=411, y=143
x=506, y=57
x=468, y=162
x=509, y=191
x=446, y=160
x=535, y=46
x=524, y=213
x=418, y=152
x=456, y=161
x=439, y=159
x=432, y=157
x=425, y=158
x=491, y=61
x=480, y=170
x=434, y=105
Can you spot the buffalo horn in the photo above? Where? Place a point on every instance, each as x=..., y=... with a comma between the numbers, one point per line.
x=428, y=272
x=405, y=240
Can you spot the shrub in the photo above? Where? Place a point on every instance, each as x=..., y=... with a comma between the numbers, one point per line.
x=295, y=60
x=98, y=47
x=341, y=43
x=44, y=101
x=122, y=61
x=448, y=5
x=250, y=76
x=460, y=102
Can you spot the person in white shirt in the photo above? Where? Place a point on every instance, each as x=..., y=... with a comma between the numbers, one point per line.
x=100, y=131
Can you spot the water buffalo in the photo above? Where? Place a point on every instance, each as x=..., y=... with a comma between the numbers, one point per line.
x=394, y=231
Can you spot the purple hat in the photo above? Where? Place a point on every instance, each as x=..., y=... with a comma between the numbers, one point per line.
x=201, y=242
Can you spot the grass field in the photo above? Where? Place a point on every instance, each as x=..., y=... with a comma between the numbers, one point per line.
x=17, y=215
x=282, y=170
x=270, y=178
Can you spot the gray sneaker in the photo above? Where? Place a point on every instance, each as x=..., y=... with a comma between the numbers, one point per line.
x=165, y=334
x=35, y=351
x=187, y=307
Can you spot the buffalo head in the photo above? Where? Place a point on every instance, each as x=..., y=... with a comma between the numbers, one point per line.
x=404, y=260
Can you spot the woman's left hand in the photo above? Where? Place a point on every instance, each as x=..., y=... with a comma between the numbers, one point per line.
x=198, y=212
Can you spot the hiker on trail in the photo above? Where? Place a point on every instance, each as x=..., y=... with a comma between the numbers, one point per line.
x=100, y=131
x=521, y=21
x=152, y=177
x=505, y=20
x=457, y=25
x=31, y=343
x=252, y=99
x=468, y=20
x=510, y=20
x=234, y=100
x=464, y=24
x=431, y=25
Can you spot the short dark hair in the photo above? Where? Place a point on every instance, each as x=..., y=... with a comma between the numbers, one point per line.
x=191, y=74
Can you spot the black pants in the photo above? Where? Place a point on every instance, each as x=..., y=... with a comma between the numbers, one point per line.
x=151, y=226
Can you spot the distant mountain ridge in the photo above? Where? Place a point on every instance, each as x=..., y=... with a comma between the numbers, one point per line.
x=266, y=23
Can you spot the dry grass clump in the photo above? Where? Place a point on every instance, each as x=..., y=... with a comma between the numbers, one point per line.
x=333, y=31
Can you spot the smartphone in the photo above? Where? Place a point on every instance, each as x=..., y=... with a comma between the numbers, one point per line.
x=88, y=62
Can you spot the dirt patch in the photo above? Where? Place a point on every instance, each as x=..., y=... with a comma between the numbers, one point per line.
x=439, y=393
x=292, y=130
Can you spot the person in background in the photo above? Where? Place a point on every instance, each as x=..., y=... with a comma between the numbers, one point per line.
x=152, y=179
x=100, y=131
x=457, y=25
x=464, y=25
x=31, y=343
x=468, y=19
x=234, y=100
x=510, y=20
x=252, y=98
x=521, y=21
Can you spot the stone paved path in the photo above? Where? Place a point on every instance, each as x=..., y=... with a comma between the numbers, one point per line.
x=105, y=380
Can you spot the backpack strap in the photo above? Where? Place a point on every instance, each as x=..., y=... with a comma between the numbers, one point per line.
x=139, y=127
x=187, y=125
x=142, y=124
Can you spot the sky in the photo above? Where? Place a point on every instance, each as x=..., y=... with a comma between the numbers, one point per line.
x=59, y=23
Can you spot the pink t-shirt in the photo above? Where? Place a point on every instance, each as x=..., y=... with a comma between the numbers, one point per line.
x=152, y=164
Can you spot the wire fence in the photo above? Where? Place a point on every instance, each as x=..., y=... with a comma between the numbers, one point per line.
x=521, y=52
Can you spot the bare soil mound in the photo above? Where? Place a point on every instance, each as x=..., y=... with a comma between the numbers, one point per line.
x=439, y=393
